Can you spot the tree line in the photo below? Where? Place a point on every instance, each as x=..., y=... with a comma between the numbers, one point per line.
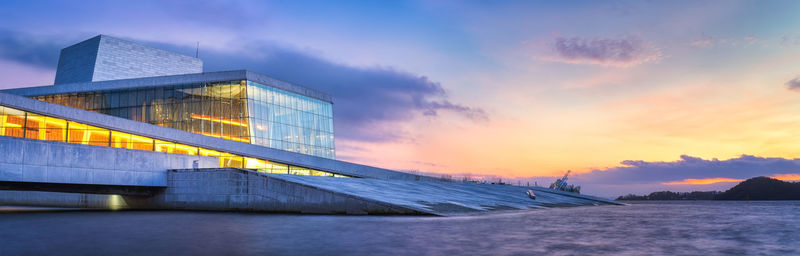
x=758, y=188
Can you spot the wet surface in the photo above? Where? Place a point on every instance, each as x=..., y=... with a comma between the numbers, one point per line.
x=649, y=228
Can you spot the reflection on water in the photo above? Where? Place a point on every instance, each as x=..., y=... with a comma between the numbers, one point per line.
x=650, y=228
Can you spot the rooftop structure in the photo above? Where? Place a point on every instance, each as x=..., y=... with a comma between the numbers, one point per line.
x=103, y=58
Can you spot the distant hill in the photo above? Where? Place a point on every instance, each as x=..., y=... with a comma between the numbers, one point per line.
x=758, y=188
x=762, y=188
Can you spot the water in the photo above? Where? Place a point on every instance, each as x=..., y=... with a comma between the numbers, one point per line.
x=649, y=228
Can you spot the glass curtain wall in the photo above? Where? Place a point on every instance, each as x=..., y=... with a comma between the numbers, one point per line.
x=23, y=124
x=238, y=110
x=214, y=109
x=290, y=121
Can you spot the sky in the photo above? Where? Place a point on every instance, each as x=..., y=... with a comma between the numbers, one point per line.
x=631, y=96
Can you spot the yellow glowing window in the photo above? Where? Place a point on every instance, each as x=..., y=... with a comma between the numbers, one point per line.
x=77, y=133
x=163, y=146
x=299, y=171
x=55, y=129
x=16, y=123
x=121, y=140
x=230, y=161
x=97, y=136
x=13, y=123
x=252, y=163
x=32, y=125
x=207, y=152
x=320, y=173
x=186, y=150
x=279, y=168
x=141, y=143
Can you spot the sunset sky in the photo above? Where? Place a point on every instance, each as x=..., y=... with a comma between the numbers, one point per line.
x=632, y=96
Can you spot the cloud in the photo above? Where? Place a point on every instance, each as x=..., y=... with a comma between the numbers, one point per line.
x=786, y=41
x=705, y=41
x=745, y=41
x=688, y=173
x=433, y=107
x=41, y=52
x=701, y=181
x=369, y=102
x=689, y=167
x=619, y=52
x=793, y=84
x=753, y=40
x=787, y=176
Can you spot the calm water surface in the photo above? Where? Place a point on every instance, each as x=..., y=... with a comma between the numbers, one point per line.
x=650, y=228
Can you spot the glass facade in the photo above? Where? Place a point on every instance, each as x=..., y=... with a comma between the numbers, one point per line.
x=238, y=110
x=23, y=124
x=290, y=121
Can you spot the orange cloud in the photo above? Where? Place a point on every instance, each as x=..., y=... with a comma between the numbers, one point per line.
x=787, y=177
x=702, y=181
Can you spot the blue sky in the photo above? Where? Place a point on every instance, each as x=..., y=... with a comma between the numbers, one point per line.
x=517, y=89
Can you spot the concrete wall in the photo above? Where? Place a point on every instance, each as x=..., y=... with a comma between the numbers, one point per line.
x=66, y=200
x=26, y=160
x=103, y=58
x=242, y=190
x=233, y=189
x=217, y=190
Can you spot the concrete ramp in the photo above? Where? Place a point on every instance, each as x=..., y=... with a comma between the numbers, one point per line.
x=230, y=189
x=448, y=198
x=245, y=190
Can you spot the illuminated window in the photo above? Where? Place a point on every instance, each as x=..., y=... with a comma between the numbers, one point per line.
x=186, y=150
x=16, y=123
x=142, y=143
x=13, y=123
x=76, y=132
x=55, y=129
x=97, y=136
x=231, y=161
x=238, y=110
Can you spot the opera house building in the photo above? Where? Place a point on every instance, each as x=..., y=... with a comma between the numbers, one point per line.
x=128, y=126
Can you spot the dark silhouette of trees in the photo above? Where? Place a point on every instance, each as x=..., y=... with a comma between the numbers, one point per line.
x=669, y=195
x=758, y=188
x=762, y=188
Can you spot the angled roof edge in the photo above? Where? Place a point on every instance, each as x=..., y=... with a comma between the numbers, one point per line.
x=169, y=80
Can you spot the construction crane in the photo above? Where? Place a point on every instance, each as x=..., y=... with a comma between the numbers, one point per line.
x=561, y=184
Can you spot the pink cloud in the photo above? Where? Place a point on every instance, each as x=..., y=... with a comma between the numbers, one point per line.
x=793, y=84
x=619, y=52
x=706, y=41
